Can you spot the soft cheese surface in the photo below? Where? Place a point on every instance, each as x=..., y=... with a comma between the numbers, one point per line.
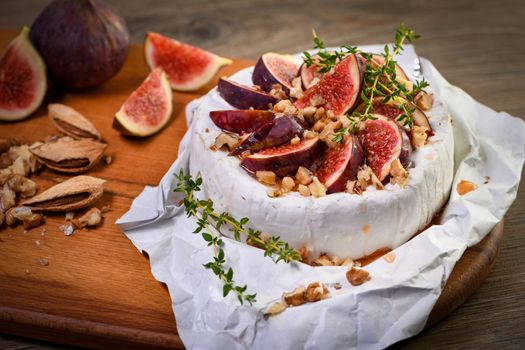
x=339, y=224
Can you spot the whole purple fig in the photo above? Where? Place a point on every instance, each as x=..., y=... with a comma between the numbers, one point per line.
x=83, y=42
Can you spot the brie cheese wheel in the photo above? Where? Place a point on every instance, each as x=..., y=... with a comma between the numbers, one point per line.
x=340, y=224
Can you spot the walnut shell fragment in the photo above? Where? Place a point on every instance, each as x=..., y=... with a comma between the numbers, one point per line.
x=78, y=192
x=71, y=122
x=69, y=156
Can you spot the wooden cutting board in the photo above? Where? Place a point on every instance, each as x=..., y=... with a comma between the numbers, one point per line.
x=97, y=290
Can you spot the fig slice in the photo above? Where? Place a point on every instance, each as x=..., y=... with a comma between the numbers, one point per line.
x=284, y=160
x=338, y=90
x=241, y=121
x=273, y=68
x=274, y=133
x=309, y=75
x=392, y=109
x=244, y=97
x=382, y=141
x=188, y=67
x=400, y=73
x=148, y=108
x=340, y=164
x=23, y=81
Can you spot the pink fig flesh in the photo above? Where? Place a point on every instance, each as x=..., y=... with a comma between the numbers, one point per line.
x=399, y=71
x=340, y=164
x=308, y=75
x=240, y=121
x=273, y=68
x=244, y=97
x=382, y=141
x=338, y=90
x=274, y=133
x=284, y=160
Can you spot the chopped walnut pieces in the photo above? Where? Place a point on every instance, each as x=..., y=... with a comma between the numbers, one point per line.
x=419, y=136
x=317, y=100
x=265, y=176
x=303, y=176
x=275, y=309
x=319, y=114
x=278, y=92
x=5, y=160
x=309, y=134
x=316, y=291
x=309, y=113
x=424, y=100
x=398, y=174
x=226, y=139
x=390, y=257
x=326, y=260
x=295, y=297
x=365, y=177
x=22, y=185
x=331, y=115
x=285, y=107
x=7, y=198
x=92, y=217
x=319, y=126
x=317, y=188
x=357, y=277
x=24, y=214
x=304, y=190
x=352, y=188
x=2, y=217
x=295, y=140
x=287, y=184
x=297, y=90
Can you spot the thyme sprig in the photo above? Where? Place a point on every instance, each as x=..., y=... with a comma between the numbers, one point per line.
x=380, y=79
x=209, y=221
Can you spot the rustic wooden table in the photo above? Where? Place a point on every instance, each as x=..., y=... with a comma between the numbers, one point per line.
x=477, y=45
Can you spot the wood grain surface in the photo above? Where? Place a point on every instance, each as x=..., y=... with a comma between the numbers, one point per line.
x=477, y=45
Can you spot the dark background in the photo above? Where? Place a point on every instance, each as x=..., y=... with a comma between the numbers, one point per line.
x=477, y=45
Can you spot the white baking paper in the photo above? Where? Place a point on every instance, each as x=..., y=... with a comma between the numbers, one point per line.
x=392, y=306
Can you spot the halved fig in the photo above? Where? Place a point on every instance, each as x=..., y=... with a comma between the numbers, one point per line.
x=148, y=108
x=284, y=160
x=188, y=67
x=392, y=110
x=241, y=121
x=273, y=68
x=274, y=133
x=23, y=81
x=244, y=97
x=382, y=141
x=338, y=90
x=340, y=164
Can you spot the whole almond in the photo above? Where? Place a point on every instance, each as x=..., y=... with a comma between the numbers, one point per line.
x=72, y=123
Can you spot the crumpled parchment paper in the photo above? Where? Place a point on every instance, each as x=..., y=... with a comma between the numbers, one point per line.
x=392, y=306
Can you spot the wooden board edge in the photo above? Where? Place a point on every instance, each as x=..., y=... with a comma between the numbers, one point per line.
x=462, y=283
x=82, y=333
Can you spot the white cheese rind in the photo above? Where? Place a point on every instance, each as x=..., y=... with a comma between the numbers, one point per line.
x=339, y=224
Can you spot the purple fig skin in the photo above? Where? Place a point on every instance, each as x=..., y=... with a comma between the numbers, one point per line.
x=83, y=42
x=341, y=164
x=241, y=121
x=284, y=160
x=275, y=133
x=264, y=75
x=406, y=149
x=244, y=97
